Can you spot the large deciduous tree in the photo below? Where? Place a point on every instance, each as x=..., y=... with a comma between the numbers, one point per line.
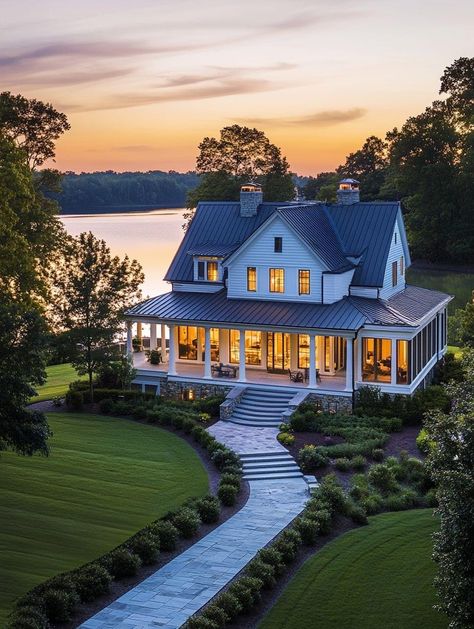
x=368, y=165
x=238, y=155
x=451, y=464
x=91, y=290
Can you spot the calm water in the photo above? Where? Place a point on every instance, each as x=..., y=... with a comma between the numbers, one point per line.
x=153, y=237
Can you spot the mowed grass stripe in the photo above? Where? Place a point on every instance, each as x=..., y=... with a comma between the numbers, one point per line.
x=57, y=383
x=105, y=479
x=376, y=576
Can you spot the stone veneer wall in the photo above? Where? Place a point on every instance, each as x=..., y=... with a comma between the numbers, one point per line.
x=175, y=390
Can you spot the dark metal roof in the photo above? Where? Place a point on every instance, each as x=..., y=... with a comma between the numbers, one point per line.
x=366, y=229
x=405, y=309
x=332, y=231
x=217, y=308
x=314, y=227
x=219, y=223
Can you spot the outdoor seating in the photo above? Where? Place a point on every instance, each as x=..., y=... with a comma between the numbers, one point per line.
x=224, y=371
x=306, y=375
x=295, y=376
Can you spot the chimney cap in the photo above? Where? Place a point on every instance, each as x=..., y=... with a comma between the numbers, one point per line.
x=251, y=186
x=350, y=181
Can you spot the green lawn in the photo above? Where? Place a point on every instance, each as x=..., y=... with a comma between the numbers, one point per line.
x=57, y=383
x=377, y=576
x=105, y=479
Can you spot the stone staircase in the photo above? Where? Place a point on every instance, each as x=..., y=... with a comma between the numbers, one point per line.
x=269, y=466
x=261, y=407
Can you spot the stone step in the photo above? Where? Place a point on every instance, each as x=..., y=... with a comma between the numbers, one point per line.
x=269, y=396
x=266, y=456
x=247, y=414
x=272, y=475
x=260, y=465
x=262, y=404
x=255, y=423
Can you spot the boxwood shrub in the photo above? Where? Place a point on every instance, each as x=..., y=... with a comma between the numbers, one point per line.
x=146, y=546
x=122, y=563
x=187, y=521
x=227, y=494
x=92, y=581
x=167, y=534
x=209, y=509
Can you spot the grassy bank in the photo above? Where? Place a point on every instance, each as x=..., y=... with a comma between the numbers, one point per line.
x=105, y=479
x=377, y=576
x=57, y=383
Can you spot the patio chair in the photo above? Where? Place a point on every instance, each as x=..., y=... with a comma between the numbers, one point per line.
x=216, y=370
x=295, y=376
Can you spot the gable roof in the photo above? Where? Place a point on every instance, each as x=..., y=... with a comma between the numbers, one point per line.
x=334, y=232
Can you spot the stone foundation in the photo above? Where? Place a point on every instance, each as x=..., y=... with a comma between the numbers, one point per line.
x=332, y=403
x=191, y=390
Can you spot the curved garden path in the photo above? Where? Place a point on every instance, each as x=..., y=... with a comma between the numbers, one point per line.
x=176, y=591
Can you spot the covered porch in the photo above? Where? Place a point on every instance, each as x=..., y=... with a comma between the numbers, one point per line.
x=231, y=355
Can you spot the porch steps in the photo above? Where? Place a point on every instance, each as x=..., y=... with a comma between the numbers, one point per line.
x=261, y=407
x=269, y=465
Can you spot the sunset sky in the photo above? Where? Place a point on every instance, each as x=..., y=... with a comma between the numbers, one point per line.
x=143, y=82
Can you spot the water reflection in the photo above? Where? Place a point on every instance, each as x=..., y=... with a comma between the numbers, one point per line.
x=150, y=237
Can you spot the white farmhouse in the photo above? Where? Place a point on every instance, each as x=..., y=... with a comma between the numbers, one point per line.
x=292, y=299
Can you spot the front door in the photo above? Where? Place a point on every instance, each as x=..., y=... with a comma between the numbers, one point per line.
x=278, y=351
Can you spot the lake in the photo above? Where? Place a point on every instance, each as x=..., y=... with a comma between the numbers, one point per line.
x=152, y=237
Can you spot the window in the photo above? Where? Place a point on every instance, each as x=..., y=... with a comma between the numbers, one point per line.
x=402, y=362
x=402, y=265
x=253, y=347
x=251, y=279
x=376, y=360
x=277, y=280
x=188, y=342
x=278, y=244
x=303, y=351
x=394, y=273
x=303, y=282
x=212, y=272
x=201, y=270
x=278, y=351
x=395, y=237
x=234, y=346
x=214, y=336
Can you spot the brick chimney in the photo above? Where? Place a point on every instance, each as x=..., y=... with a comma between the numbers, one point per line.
x=348, y=192
x=250, y=198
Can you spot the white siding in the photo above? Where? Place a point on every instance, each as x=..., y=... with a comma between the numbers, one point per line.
x=260, y=254
x=363, y=291
x=395, y=253
x=336, y=285
x=195, y=287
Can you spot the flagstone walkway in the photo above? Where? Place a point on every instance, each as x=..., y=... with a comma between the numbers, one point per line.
x=176, y=591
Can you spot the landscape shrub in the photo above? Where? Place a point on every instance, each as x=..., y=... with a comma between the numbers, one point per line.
x=358, y=462
x=378, y=454
x=107, y=406
x=308, y=529
x=139, y=412
x=227, y=494
x=358, y=514
x=449, y=368
x=123, y=408
x=382, y=477
x=431, y=499
x=58, y=604
x=74, y=400
x=28, y=617
x=407, y=499
x=235, y=470
x=286, y=439
x=146, y=546
x=423, y=442
x=187, y=521
x=224, y=457
x=343, y=464
x=209, y=509
x=188, y=425
x=272, y=557
x=122, y=563
x=372, y=504
x=290, y=536
x=216, y=614
x=322, y=517
x=288, y=550
x=247, y=591
x=200, y=622
x=167, y=534
x=263, y=571
x=230, y=604
x=231, y=479
x=330, y=493
x=210, y=405
x=92, y=581
x=311, y=458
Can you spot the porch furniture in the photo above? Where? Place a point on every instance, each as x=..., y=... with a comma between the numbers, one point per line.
x=306, y=375
x=295, y=376
x=216, y=370
x=228, y=371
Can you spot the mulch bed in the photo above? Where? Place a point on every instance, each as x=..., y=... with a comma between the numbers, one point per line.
x=118, y=588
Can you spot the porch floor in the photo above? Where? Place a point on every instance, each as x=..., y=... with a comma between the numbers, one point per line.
x=252, y=375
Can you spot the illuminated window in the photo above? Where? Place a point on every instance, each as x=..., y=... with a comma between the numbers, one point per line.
x=251, y=279
x=402, y=362
x=234, y=346
x=212, y=272
x=278, y=244
x=303, y=282
x=277, y=280
x=188, y=342
x=303, y=351
x=394, y=273
x=278, y=351
x=253, y=347
x=376, y=360
x=214, y=334
x=402, y=265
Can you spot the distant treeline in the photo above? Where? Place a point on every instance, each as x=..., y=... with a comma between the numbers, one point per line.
x=102, y=190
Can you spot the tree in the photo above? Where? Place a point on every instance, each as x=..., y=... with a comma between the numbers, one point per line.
x=239, y=155
x=91, y=290
x=368, y=165
x=451, y=465
x=464, y=317
x=327, y=180
x=33, y=125
x=29, y=229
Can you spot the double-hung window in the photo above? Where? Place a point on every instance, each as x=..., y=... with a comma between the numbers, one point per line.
x=251, y=279
x=278, y=244
x=394, y=273
x=277, y=280
x=207, y=270
x=304, y=281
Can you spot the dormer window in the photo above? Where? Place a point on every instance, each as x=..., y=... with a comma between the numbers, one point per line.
x=278, y=244
x=207, y=270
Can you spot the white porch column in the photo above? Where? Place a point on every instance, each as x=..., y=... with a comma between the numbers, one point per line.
x=207, y=353
x=349, y=363
x=163, y=342
x=242, y=355
x=393, y=362
x=312, y=361
x=140, y=336
x=152, y=336
x=129, y=351
x=172, y=354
